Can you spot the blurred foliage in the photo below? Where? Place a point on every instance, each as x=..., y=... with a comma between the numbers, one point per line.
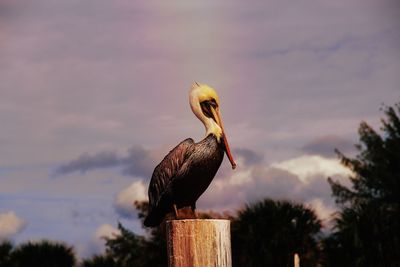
x=366, y=230
x=44, y=254
x=268, y=233
x=5, y=253
x=130, y=249
x=100, y=261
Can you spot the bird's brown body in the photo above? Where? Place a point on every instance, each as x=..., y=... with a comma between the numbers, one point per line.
x=182, y=176
x=187, y=171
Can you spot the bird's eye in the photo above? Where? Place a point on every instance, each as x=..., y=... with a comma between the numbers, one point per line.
x=206, y=107
x=213, y=103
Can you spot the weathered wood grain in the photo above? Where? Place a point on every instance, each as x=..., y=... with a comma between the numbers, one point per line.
x=199, y=243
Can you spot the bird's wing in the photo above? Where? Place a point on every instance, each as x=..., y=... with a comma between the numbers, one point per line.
x=167, y=169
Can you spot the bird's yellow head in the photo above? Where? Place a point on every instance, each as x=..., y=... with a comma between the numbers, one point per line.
x=203, y=93
x=205, y=104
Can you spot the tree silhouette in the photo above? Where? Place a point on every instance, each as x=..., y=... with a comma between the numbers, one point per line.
x=43, y=254
x=130, y=249
x=5, y=253
x=99, y=261
x=367, y=226
x=126, y=249
x=268, y=233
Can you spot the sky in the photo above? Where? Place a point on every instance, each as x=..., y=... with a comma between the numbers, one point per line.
x=94, y=93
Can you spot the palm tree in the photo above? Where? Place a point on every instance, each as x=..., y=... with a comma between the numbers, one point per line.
x=126, y=248
x=370, y=217
x=44, y=254
x=5, y=253
x=99, y=261
x=268, y=233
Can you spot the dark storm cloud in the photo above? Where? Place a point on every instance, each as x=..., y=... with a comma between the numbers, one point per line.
x=249, y=156
x=87, y=162
x=326, y=145
x=138, y=162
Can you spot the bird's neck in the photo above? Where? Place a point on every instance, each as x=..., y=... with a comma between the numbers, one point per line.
x=212, y=128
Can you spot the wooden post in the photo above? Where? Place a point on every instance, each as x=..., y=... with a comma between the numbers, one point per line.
x=296, y=260
x=199, y=243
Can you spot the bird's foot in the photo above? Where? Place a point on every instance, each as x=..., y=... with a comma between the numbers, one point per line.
x=193, y=208
x=176, y=212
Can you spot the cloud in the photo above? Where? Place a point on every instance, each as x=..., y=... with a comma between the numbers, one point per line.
x=137, y=162
x=326, y=145
x=307, y=166
x=99, y=237
x=124, y=201
x=324, y=210
x=249, y=156
x=301, y=179
x=10, y=225
x=87, y=162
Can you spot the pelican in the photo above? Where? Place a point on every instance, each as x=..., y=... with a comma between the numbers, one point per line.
x=188, y=169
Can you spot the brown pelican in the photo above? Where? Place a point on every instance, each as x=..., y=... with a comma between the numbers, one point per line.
x=188, y=169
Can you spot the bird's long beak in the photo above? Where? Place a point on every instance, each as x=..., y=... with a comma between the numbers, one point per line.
x=217, y=116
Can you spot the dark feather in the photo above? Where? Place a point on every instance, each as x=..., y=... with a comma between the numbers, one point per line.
x=167, y=170
x=164, y=172
x=182, y=176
